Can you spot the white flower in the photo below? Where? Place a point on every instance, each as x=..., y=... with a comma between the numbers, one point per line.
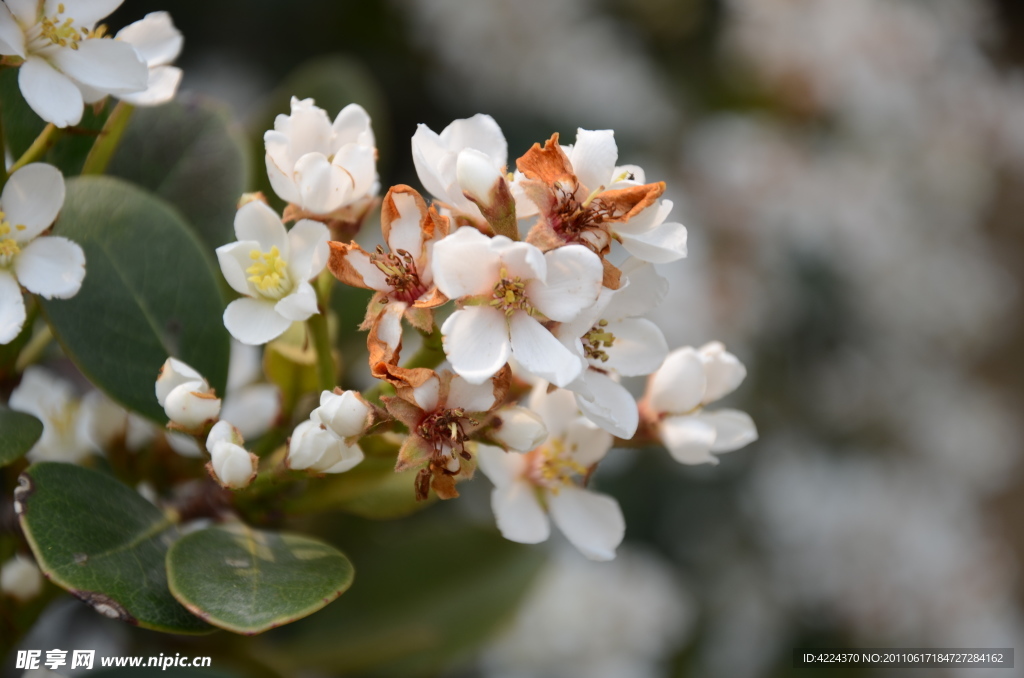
x=346, y=413
x=158, y=42
x=318, y=448
x=436, y=157
x=67, y=61
x=254, y=407
x=186, y=396
x=546, y=478
x=50, y=266
x=53, y=402
x=617, y=343
x=677, y=393
x=107, y=423
x=319, y=166
x=231, y=465
x=505, y=286
x=20, y=578
x=518, y=428
x=272, y=268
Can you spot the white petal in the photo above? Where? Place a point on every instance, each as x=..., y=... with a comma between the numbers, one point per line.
x=470, y=397
x=519, y=259
x=477, y=176
x=173, y=373
x=427, y=394
x=234, y=258
x=689, y=439
x=360, y=163
x=309, y=250
x=308, y=129
x=593, y=157
x=256, y=220
x=352, y=126
x=592, y=522
x=254, y=321
x=519, y=429
x=52, y=267
x=161, y=86
x=278, y=170
x=476, y=341
x=389, y=328
x=645, y=221
x=25, y=11
x=346, y=414
x=557, y=408
x=540, y=353
x=343, y=457
x=643, y=291
x=724, y=371
x=428, y=153
x=154, y=37
x=232, y=464
x=733, y=429
x=253, y=409
x=373, y=277
x=323, y=187
x=184, y=444
x=639, y=347
x=405, y=232
x=663, y=245
x=50, y=93
x=32, y=198
x=480, y=132
x=610, y=405
x=518, y=512
x=464, y=264
x=12, y=308
x=191, y=406
x=586, y=443
x=107, y=65
x=573, y=283
x=298, y=305
x=308, y=444
x=12, y=39
x=679, y=384
x=223, y=432
x=84, y=12
x=500, y=467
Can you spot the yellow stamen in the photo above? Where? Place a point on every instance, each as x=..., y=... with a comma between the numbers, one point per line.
x=557, y=466
x=269, y=273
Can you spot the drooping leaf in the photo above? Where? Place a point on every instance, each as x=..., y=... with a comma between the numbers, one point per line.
x=103, y=542
x=191, y=154
x=150, y=292
x=247, y=580
x=18, y=433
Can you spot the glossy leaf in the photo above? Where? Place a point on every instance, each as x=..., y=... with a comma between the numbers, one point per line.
x=103, y=542
x=150, y=292
x=18, y=433
x=247, y=580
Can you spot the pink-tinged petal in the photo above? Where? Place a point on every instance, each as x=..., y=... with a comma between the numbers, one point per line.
x=610, y=405
x=518, y=512
x=689, y=439
x=279, y=173
x=84, y=12
x=298, y=305
x=428, y=394
x=26, y=12
x=52, y=267
x=373, y=277
x=644, y=290
x=593, y=157
x=733, y=429
x=406, y=233
x=540, y=353
x=557, y=408
x=323, y=187
x=12, y=38
x=360, y=163
x=253, y=409
x=586, y=442
x=520, y=260
x=592, y=522
x=256, y=220
x=160, y=88
x=665, y=244
x=309, y=252
x=108, y=65
x=50, y=93
x=647, y=220
x=352, y=126
x=724, y=371
x=639, y=347
x=32, y=198
x=573, y=283
x=464, y=264
x=234, y=258
x=679, y=385
x=428, y=154
x=154, y=37
x=12, y=308
x=476, y=341
x=470, y=397
x=254, y=321
x=480, y=132
x=500, y=467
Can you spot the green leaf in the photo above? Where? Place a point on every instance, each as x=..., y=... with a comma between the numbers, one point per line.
x=429, y=594
x=150, y=292
x=191, y=154
x=103, y=542
x=247, y=581
x=18, y=433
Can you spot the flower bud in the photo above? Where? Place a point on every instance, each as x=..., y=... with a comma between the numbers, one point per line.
x=20, y=578
x=230, y=464
x=186, y=397
x=519, y=429
x=723, y=370
x=319, y=449
x=485, y=185
x=347, y=414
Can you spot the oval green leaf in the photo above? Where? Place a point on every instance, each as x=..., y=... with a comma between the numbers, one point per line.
x=247, y=581
x=18, y=433
x=150, y=292
x=103, y=542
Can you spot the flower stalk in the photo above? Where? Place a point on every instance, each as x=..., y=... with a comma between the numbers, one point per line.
x=46, y=139
x=109, y=139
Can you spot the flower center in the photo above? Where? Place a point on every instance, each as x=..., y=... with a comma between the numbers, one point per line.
x=554, y=467
x=402, y=276
x=269, y=273
x=510, y=295
x=62, y=31
x=8, y=246
x=596, y=340
x=444, y=430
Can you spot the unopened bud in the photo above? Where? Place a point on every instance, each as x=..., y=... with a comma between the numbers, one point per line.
x=319, y=449
x=20, y=578
x=347, y=413
x=520, y=429
x=186, y=396
x=230, y=464
x=485, y=185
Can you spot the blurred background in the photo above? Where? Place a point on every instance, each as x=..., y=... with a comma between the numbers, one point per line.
x=851, y=173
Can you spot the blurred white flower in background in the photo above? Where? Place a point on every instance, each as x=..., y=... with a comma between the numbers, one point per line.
x=53, y=401
x=158, y=42
x=20, y=578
